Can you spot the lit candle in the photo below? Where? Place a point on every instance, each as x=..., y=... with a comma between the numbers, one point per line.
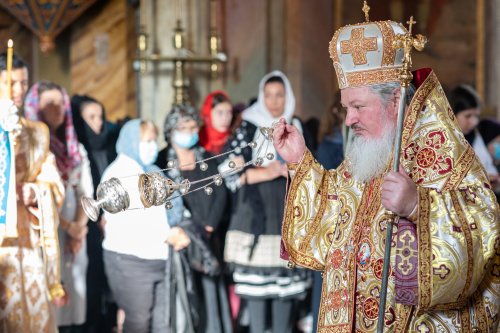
x=10, y=46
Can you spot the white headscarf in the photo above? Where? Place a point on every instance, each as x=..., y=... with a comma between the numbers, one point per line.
x=259, y=115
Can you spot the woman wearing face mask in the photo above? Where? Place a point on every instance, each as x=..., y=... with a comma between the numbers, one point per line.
x=49, y=103
x=134, y=246
x=98, y=136
x=466, y=105
x=253, y=240
x=205, y=211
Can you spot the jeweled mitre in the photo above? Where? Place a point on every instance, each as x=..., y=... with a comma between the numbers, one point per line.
x=363, y=54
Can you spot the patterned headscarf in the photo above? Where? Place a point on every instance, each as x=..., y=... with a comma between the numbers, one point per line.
x=179, y=112
x=66, y=152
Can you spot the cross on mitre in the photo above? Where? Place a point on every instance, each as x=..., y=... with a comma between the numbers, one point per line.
x=358, y=46
x=410, y=23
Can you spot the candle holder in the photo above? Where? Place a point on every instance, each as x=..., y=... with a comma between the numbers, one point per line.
x=183, y=57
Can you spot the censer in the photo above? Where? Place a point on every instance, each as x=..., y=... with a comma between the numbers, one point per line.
x=155, y=189
x=111, y=196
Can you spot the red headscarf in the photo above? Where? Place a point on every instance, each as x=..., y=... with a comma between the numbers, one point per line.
x=211, y=139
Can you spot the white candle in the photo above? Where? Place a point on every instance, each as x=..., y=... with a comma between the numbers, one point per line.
x=10, y=47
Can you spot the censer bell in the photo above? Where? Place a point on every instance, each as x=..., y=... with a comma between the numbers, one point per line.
x=111, y=196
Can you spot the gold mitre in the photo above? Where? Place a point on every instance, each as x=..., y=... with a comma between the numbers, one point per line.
x=363, y=54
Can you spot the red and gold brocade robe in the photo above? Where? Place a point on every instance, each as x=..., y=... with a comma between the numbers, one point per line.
x=29, y=253
x=445, y=267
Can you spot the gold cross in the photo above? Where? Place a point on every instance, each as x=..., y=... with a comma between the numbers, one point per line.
x=358, y=46
x=410, y=23
x=366, y=9
x=442, y=271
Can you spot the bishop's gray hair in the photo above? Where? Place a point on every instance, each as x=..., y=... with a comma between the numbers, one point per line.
x=386, y=91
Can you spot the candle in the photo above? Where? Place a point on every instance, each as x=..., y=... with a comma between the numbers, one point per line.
x=10, y=45
x=178, y=10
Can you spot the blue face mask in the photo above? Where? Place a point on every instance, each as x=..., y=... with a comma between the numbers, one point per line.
x=148, y=152
x=496, y=151
x=184, y=140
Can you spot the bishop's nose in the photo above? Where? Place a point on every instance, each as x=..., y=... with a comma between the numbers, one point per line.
x=351, y=118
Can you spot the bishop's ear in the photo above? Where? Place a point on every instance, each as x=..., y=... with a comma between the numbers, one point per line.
x=395, y=101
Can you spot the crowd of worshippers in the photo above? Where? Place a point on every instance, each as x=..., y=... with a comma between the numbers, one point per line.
x=211, y=263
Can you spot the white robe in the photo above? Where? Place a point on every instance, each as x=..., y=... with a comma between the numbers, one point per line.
x=74, y=270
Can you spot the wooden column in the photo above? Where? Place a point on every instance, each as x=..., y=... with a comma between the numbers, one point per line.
x=310, y=27
x=492, y=64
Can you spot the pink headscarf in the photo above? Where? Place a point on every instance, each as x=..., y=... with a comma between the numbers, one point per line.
x=67, y=155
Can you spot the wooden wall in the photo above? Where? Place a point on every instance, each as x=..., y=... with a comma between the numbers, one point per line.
x=288, y=35
x=102, y=49
x=449, y=25
x=22, y=37
x=95, y=55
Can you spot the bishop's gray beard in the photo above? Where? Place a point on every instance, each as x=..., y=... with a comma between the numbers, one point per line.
x=367, y=157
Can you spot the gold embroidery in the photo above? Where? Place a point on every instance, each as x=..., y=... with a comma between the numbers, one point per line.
x=377, y=76
x=425, y=249
x=358, y=46
x=368, y=209
x=468, y=240
x=389, y=55
x=403, y=315
x=465, y=323
x=333, y=47
x=343, y=328
x=416, y=106
x=317, y=220
x=303, y=260
x=480, y=312
x=461, y=168
x=295, y=255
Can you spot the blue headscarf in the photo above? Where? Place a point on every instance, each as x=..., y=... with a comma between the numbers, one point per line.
x=128, y=143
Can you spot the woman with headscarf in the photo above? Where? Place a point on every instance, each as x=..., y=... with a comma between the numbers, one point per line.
x=203, y=209
x=98, y=136
x=48, y=102
x=253, y=240
x=466, y=106
x=217, y=115
x=135, y=249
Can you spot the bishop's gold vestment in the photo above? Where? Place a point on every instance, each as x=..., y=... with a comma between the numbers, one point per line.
x=445, y=267
x=29, y=253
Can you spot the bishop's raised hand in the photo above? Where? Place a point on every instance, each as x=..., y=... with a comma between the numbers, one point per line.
x=288, y=141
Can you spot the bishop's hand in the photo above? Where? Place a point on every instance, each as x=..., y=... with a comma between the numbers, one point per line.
x=288, y=141
x=399, y=193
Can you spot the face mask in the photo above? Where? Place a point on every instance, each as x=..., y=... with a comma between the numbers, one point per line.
x=496, y=152
x=184, y=140
x=148, y=152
